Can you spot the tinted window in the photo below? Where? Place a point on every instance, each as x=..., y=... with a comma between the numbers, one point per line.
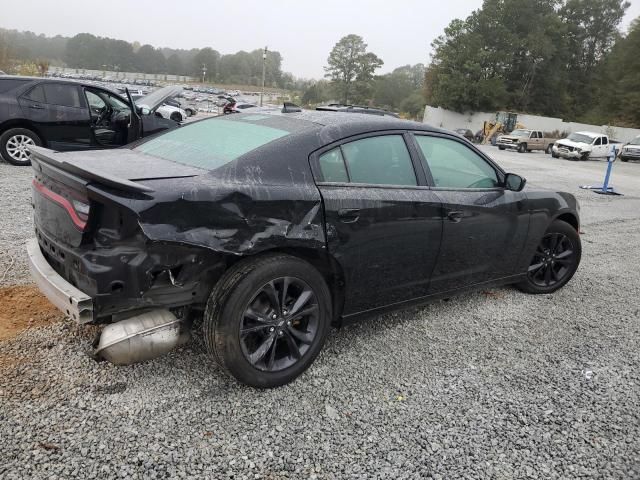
x=95, y=102
x=598, y=141
x=7, y=84
x=454, y=165
x=380, y=160
x=63, y=95
x=210, y=143
x=605, y=141
x=332, y=166
x=36, y=94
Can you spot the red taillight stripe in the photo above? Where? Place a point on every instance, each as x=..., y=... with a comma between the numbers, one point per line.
x=63, y=202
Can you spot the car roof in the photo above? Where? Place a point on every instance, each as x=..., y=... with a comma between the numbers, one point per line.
x=591, y=134
x=326, y=127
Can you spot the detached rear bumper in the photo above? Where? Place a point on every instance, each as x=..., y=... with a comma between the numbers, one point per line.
x=75, y=303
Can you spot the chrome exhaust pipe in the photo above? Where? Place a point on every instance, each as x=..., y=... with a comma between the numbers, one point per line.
x=141, y=337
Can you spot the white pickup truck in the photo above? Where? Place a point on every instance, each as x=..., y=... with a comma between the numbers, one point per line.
x=583, y=146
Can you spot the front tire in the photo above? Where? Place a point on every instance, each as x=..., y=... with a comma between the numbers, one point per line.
x=501, y=147
x=267, y=319
x=176, y=117
x=522, y=148
x=14, y=145
x=555, y=261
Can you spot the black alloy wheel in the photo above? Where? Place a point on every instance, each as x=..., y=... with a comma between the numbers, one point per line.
x=552, y=261
x=279, y=324
x=267, y=319
x=555, y=260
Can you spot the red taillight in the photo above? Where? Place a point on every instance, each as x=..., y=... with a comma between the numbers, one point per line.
x=79, y=218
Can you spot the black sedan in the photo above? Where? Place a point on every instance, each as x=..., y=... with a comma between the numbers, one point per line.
x=276, y=226
x=67, y=115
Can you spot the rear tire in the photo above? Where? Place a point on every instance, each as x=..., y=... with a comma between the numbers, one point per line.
x=14, y=143
x=555, y=261
x=522, y=148
x=243, y=335
x=549, y=149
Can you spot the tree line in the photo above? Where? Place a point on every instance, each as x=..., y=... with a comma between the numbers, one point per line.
x=561, y=58
x=87, y=51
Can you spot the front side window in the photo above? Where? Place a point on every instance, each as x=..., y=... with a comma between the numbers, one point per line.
x=382, y=160
x=453, y=165
x=63, y=95
x=598, y=141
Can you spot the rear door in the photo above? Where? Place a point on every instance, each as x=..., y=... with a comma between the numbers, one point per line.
x=383, y=223
x=60, y=113
x=484, y=225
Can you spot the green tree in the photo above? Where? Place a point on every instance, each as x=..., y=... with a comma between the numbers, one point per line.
x=620, y=85
x=351, y=68
x=210, y=58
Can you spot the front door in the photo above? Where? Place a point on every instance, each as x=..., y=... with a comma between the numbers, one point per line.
x=485, y=225
x=383, y=224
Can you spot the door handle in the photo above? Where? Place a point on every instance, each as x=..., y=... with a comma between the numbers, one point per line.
x=455, y=216
x=349, y=215
x=36, y=107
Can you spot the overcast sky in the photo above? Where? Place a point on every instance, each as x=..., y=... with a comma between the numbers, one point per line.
x=303, y=31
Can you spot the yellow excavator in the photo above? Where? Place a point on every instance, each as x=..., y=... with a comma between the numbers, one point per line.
x=505, y=122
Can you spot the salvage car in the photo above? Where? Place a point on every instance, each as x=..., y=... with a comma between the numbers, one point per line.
x=275, y=226
x=524, y=140
x=67, y=115
x=583, y=146
x=631, y=150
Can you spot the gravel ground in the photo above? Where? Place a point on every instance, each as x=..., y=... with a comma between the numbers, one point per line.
x=496, y=384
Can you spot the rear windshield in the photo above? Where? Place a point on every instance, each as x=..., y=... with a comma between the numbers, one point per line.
x=210, y=144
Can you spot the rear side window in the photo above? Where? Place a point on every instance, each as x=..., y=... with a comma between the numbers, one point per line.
x=36, y=94
x=382, y=160
x=8, y=84
x=63, y=95
x=453, y=165
x=332, y=166
x=209, y=144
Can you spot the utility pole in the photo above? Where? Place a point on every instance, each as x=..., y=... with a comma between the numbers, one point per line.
x=264, y=62
x=204, y=71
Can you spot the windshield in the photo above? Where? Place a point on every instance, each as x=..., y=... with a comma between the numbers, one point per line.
x=211, y=143
x=578, y=137
x=521, y=133
x=635, y=141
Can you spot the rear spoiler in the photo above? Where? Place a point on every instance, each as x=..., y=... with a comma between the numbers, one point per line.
x=85, y=171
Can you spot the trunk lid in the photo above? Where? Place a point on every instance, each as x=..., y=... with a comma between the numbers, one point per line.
x=63, y=208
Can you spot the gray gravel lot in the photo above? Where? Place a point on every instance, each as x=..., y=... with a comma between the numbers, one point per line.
x=497, y=384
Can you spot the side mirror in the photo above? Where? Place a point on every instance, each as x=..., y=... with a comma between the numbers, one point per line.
x=514, y=182
x=145, y=110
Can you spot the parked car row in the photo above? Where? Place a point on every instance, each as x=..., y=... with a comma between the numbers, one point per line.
x=576, y=146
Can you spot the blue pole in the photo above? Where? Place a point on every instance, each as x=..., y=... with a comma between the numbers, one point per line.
x=610, y=159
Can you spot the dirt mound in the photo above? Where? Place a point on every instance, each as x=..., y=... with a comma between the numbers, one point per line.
x=22, y=307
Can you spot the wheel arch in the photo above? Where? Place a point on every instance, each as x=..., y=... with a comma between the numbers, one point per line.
x=322, y=261
x=22, y=123
x=569, y=218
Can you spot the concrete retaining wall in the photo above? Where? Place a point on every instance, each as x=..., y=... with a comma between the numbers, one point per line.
x=439, y=117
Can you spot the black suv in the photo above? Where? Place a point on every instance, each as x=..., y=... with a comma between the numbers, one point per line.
x=65, y=115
